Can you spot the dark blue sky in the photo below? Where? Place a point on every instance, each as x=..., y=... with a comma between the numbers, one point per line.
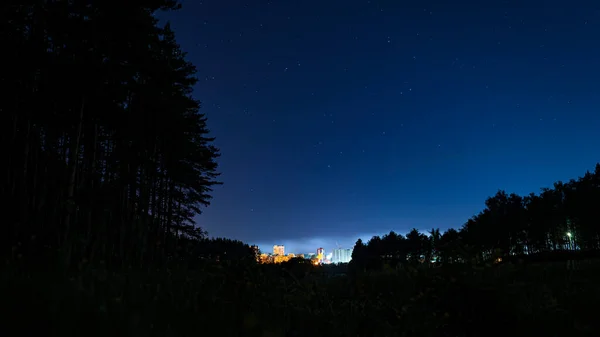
x=344, y=119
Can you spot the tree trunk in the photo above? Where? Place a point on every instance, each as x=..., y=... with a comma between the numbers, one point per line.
x=71, y=205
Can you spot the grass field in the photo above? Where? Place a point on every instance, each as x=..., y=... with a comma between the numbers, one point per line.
x=542, y=299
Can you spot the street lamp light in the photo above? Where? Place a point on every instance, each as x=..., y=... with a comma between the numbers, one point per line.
x=569, y=234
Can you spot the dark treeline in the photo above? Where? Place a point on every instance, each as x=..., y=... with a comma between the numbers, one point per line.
x=106, y=156
x=563, y=218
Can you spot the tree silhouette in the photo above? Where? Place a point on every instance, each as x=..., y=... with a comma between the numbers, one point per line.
x=107, y=155
x=558, y=219
x=448, y=247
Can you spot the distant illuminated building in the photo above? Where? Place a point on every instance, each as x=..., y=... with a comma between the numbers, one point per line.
x=342, y=255
x=266, y=258
x=320, y=253
x=279, y=250
x=281, y=258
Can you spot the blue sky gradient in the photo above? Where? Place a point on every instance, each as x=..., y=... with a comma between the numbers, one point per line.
x=345, y=119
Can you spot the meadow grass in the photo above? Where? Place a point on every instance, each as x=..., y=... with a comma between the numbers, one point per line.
x=543, y=299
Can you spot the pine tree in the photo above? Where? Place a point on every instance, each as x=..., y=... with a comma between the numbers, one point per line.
x=108, y=156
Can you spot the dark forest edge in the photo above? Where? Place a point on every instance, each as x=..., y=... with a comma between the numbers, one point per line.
x=108, y=156
x=559, y=221
x=109, y=160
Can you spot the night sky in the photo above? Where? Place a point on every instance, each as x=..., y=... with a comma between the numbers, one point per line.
x=345, y=119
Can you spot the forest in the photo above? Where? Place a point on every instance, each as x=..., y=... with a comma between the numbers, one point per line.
x=561, y=219
x=109, y=159
x=108, y=156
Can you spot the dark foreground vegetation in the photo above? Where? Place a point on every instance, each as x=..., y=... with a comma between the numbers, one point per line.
x=236, y=299
x=108, y=160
